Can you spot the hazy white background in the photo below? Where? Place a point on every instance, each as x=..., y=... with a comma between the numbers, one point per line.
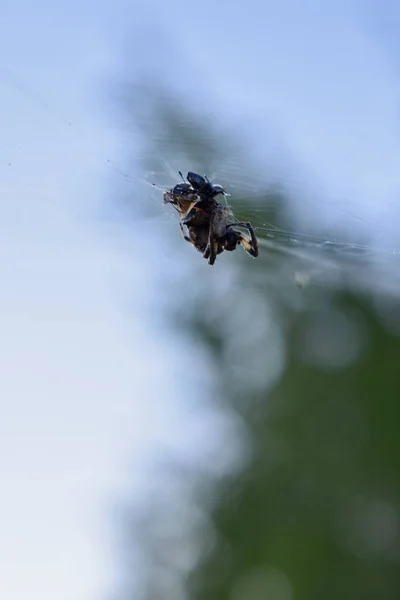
x=91, y=386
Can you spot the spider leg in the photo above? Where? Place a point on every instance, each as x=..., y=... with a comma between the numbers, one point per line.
x=185, y=237
x=188, y=239
x=250, y=245
x=212, y=247
x=218, y=248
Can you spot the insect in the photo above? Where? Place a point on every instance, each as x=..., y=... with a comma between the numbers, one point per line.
x=206, y=220
x=203, y=185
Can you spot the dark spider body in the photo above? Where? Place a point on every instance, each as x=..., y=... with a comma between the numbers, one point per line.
x=206, y=220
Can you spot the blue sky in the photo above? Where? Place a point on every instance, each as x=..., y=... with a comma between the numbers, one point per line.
x=90, y=385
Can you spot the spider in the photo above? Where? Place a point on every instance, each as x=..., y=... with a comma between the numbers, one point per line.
x=206, y=220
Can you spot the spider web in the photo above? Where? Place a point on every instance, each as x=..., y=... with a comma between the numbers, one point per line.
x=347, y=248
x=298, y=257
x=313, y=253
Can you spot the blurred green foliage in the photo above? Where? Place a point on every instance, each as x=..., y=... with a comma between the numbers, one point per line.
x=316, y=511
x=313, y=373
